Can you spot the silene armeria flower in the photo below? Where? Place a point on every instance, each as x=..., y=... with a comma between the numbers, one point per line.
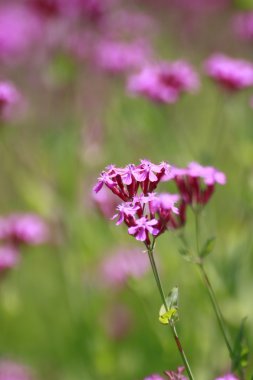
x=10, y=370
x=164, y=82
x=145, y=214
x=232, y=74
x=170, y=375
x=196, y=183
x=9, y=257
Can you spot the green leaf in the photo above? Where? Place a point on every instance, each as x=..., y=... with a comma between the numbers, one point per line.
x=240, y=350
x=208, y=247
x=183, y=251
x=244, y=4
x=171, y=312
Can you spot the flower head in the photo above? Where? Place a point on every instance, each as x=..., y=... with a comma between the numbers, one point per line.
x=142, y=228
x=232, y=74
x=176, y=375
x=164, y=82
x=196, y=183
x=23, y=228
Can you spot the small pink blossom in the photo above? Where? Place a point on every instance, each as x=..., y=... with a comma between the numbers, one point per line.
x=176, y=375
x=9, y=257
x=124, y=264
x=232, y=74
x=154, y=377
x=125, y=210
x=142, y=227
x=164, y=82
x=196, y=183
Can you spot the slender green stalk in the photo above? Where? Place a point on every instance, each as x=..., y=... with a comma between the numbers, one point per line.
x=171, y=323
x=217, y=310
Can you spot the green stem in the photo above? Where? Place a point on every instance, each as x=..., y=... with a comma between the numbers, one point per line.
x=211, y=293
x=172, y=325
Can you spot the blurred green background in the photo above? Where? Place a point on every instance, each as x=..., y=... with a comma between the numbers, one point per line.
x=54, y=307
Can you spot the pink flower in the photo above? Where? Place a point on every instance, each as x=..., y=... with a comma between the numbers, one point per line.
x=228, y=376
x=117, y=56
x=154, y=377
x=9, y=257
x=9, y=97
x=124, y=264
x=20, y=29
x=126, y=210
x=243, y=25
x=105, y=202
x=164, y=82
x=232, y=74
x=23, y=228
x=10, y=370
x=196, y=183
x=142, y=227
x=176, y=375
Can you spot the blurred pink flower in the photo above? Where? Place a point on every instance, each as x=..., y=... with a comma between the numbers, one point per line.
x=20, y=29
x=9, y=98
x=164, y=82
x=232, y=74
x=228, y=376
x=176, y=375
x=105, y=201
x=10, y=370
x=118, y=56
x=154, y=377
x=9, y=258
x=201, y=5
x=243, y=25
x=23, y=228
x=124, y=264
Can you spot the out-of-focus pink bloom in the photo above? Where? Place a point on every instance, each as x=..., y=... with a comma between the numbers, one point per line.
x=80, y=44
x=23, y=228
x=128, y=23
x=232, y=74
x=124, y=264
x=228, y=376
x=9, y=257
x=164, y=82
x=176, y=375
x=46, y=8
x=9, y=97
x=105, y=201
x=118, y=321
x=10, y=370
x=243, y=25
x=154, y=377
x=201, y=5
x=20, y=29
x=172, y=375
x=196, y=183
x=117, y=57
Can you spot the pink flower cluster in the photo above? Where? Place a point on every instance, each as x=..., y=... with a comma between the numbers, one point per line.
x=178, y=375
x=18, y=229
x=232, y=74
x=148, y=214
x=164, y=82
